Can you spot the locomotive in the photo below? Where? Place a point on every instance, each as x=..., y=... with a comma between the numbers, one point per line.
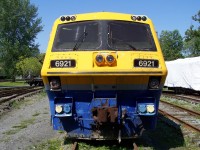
x=103, y=73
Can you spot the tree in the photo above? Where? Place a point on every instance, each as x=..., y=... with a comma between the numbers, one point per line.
x=19, y=26
x=29, y=67
x=41, y=57
x=172, y=44
x=192, y=38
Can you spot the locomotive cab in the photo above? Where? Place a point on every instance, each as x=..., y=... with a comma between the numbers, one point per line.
x=103, y=74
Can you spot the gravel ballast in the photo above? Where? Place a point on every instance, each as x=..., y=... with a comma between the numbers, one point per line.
x=26, y=125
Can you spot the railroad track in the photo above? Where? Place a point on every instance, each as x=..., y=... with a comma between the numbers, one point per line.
x=9, y=95
x=188, y=98
x=186, y=117
x=181, y=116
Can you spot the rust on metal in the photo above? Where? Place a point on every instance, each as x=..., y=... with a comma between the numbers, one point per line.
x=105, y=114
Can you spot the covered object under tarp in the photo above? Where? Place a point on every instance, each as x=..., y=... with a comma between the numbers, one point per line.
x=184, y=73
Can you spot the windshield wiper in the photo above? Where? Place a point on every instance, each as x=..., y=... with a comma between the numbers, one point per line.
x=123, y=42
x=80, y=40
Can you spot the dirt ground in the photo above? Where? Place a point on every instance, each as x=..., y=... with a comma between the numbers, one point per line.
x=27, y=124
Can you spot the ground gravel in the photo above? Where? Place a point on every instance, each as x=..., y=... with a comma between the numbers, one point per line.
x=26, y=125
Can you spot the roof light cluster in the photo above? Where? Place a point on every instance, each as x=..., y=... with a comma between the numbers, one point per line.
x=139, y=18
x=68, y=18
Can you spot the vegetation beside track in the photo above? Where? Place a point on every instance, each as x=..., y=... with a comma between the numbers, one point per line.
x=164, y=137
x=188, y=105
x=9, y=83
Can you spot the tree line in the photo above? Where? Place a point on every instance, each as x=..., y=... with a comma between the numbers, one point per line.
x=175, y=46
x=20, y=24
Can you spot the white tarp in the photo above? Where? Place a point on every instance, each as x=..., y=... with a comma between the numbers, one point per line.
x=184, y=73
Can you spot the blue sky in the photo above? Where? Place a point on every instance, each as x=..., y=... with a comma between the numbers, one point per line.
x=165, y=14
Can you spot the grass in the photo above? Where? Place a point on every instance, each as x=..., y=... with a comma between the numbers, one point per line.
x=163, y=137
x=36, y=114
x=53, y=144
x=28, y=100
x=17, y=83
x=23, y=124
x=16, y=104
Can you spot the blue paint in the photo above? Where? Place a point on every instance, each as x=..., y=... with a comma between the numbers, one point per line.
x=81, y=123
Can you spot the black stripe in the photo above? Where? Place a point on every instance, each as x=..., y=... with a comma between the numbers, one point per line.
x=106, y=73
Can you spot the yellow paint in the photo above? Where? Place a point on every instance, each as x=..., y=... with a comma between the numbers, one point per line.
x=104, y=80
x=87, y=71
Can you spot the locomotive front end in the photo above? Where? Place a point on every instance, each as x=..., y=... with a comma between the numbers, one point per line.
x=103, y=73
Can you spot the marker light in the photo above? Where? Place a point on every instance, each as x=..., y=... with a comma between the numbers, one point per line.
x=62, y=18
x=139, y=18
x=110, y=59
x=144, y=18
x=142, y=108
x=133, y=18
x=68, y=18
x=73, y=18
x=150, y=108
x=67, y=108
x=59, y=108
x=99, y=60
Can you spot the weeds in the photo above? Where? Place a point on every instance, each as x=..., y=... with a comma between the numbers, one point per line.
x=36, y=114
x=182, y=103
x=53, y=144
x=22, y=125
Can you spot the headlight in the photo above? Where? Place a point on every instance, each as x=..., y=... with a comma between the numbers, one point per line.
x=99, y=60
x=59, y=108
x=150, y=108
x=110, y=59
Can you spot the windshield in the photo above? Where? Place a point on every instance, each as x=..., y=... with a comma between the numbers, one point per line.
x=103, y=35
x=130, y=36
x=77, y=36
